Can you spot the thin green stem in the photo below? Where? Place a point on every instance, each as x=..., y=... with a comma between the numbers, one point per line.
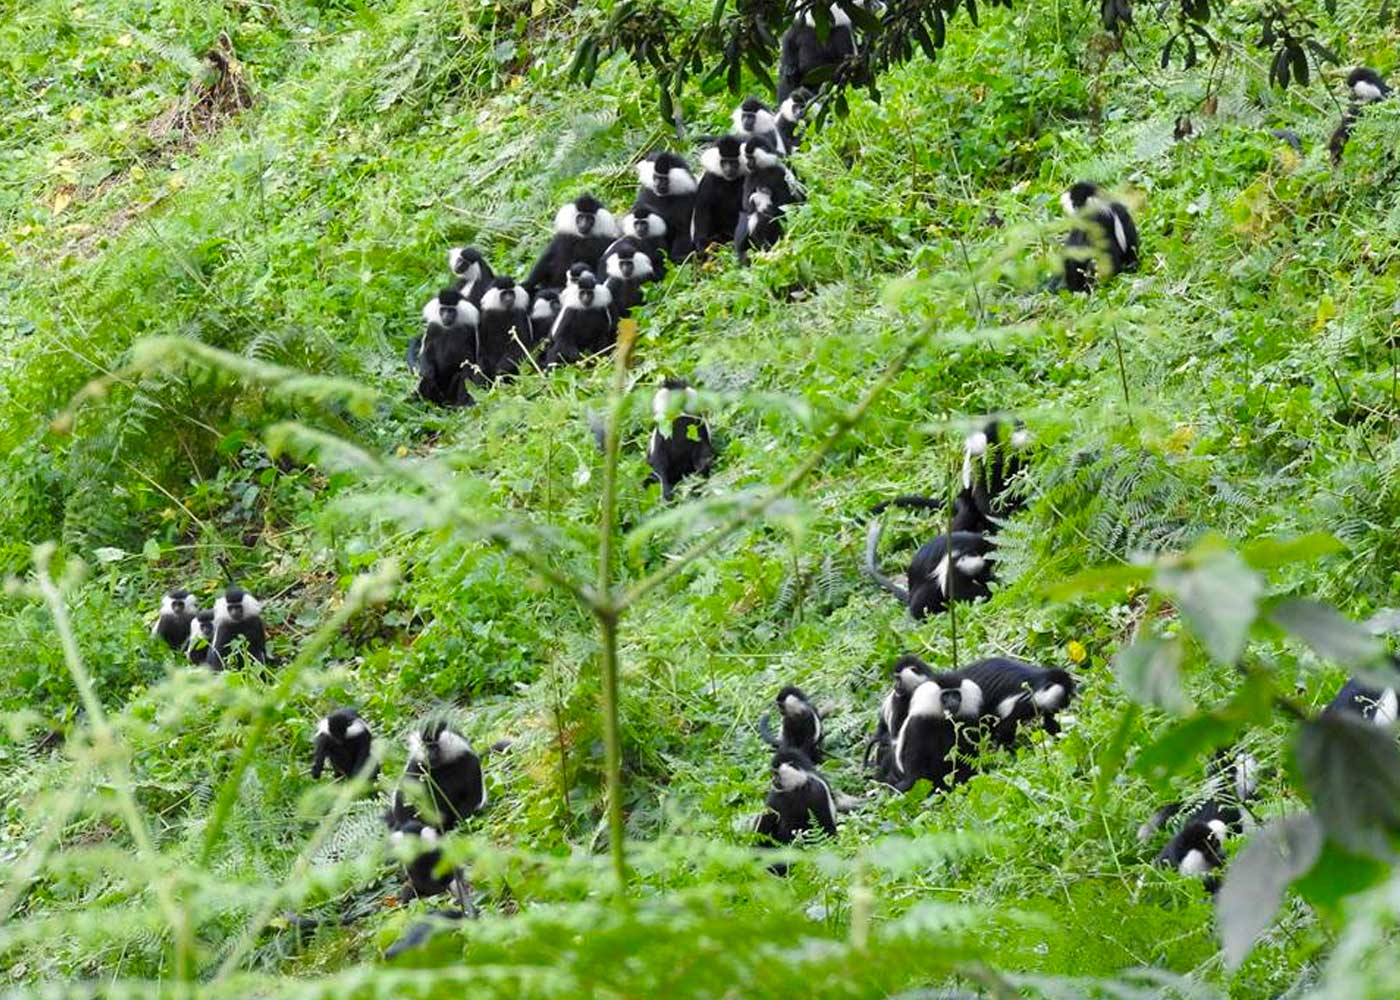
x=114, y=757
x=608, y=614
x=756, y=508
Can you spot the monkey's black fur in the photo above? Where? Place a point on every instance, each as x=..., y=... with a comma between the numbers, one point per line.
x=1015, y=692
x=667, y=188
x=801, y=726
x=953, y=566
x=448, y=350
x=586, y=323
x=806, y=60
x=686, y=450
x=442, y=765
x=720, y=196
x=1104, y=232
x=343, y=740
x=798, y=800
x=503, y=333
x=177, y=613
x=582, y=231
x=1366, y=87
x=237, y=615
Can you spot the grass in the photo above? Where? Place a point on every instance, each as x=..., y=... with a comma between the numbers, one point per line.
x=306, y=231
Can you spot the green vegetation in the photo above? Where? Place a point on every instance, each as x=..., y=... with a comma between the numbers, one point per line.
x=1242, y=386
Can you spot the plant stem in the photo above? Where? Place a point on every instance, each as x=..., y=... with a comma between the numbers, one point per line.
x=951, y=581
x=609, y=614
x=1123, y=376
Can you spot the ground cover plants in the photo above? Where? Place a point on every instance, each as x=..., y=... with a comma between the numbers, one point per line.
x=209, y=268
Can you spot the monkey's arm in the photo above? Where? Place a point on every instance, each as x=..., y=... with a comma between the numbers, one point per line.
x=318, y=764
x=541, y=272
x=257, y=641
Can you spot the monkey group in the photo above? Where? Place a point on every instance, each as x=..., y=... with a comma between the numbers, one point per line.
x=214, y=636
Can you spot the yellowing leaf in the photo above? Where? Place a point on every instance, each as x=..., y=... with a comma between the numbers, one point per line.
x=124, y=41
x=61, y=201
x=75, y=113
x=1179, y=440
x=1326, y=309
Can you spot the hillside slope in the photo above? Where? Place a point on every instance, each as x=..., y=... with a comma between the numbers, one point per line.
x=1242, y=383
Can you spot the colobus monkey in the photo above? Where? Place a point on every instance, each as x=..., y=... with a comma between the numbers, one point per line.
x=990, y=462
x=586, y=323
x=449, y=348
x=544, y=310
x=801, y=727
x=201, y=637
x=1366, y=87
x=720, y=195
x=1106, y=231
x=443, y=770
x=769, y=188
x=648, y=231
x=1232, y=779
x=422, y=864
x=806, y=60
x=1198, y=848
x=627, y=268
x=1014, y=692
x=473, y=274
x=503, y=331
x=667, y=189
x=790, y=115
x=909, y=673
x=954, y=566
x=177, y=612
x=237, y=615
x=799, y=799
x=753, y=118
x=680, y=443
x=343, y=739
x=923, y=748
x=1379, y=706
x=582, y=231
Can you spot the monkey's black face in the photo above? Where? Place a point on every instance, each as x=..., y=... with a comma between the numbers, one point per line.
x=627, y=266
x=448, y=314
x=235, y=611
x=661, y=182
x=642, y=228
x=508, y=298
x=584, y=222
x=585, y=296
x=952, y=700
x=177, y=605
x=729, y=167
x=747, y=119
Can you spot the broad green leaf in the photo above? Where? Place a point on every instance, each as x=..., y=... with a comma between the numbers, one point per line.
x=1218, y=596
x=1266, y=553
x=108, y=554
x=1111, y=577
x=1337, y=875
x=1258, y=878
x=1150, y=672
x=1330, y=635
x=1351, y=770
x=151, y=550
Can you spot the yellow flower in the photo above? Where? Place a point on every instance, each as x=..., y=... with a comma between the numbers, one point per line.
x=1077, y=652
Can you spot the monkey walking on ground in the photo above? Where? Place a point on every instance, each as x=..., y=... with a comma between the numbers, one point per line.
x=680, y=443
x=444, y=773
x=953, y=566
x=798, y=800
x=1104, y=234
x=343, y=740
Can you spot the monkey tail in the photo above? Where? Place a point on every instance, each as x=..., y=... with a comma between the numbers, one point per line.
x=765, y=729
x=912, y=501
x=872, y=564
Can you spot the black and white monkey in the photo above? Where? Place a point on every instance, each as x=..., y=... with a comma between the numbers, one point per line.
x=472, y=275
x=680, y=443
x=448, y=351
x=201, y=637
x=992, y=458
x=177, y=613
x=791, y=112
x=582, y=231
x=1377, y=705
x=418, y=846
x=924, y=746
x=544, y=310
x=1016, y=692
x=806, y=59
x=648, y=231
x=720, y=196
x=1198, y=847
x=798, y=800
x=754, y=118
x=444, y=774
x=954, y=566
x=963, y=705
x=586, y=323
x=503, y=330
x=628, y=270
x=667, y=188
x=769, y=187
x=237, y=615
x=1366, y=87
x=1105, y=233
x=801, y=726
x=343, y=740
